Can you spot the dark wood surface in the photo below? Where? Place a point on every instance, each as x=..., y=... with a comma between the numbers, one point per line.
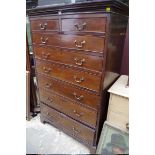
x=94, y=32
x=65, y=73
x=79, y=130
x=125, y=60
x=70, y=41
x=70, y=57
x=75, y=93
x=84, y=24
x=46, y=39
x=44, y=119
x=81, y=113
x=98, y=5
x=83, y=42
x=45, y=25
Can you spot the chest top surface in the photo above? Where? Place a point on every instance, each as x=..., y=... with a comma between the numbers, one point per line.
x=120, y=87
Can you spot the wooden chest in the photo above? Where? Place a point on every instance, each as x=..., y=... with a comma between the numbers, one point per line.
x=118, y=110
x=78, y=51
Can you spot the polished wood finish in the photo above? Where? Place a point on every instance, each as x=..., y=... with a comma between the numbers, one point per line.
x=70, y=74
x=76, y=64
x=71, y=57
x=79, y=130
x=72, y=41
x=75, y=93
x=101, y=6
x=45, y=25
x=84, y=24
x=46, y=39
x=83, y=42
x=81, y=113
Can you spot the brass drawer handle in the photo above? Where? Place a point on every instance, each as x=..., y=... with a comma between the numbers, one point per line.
x=50, y=99
x=46, y=70
x=49, y=115
x=80, y=27
x=77, y=114
x=79, y=45
x=127, y=126
x=78, y=97
x=48, y=85
x=78, y=80
x=75, y=130
x=43, y=26
x=43, y=40
x=79, y=62
x=45, y=55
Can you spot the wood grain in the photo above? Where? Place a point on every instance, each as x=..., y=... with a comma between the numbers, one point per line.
x=70, y=57
x=76, y=111
x=73, y=126
x=69, y=74
x=64, y=89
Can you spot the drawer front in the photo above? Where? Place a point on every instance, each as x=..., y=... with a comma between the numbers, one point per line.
x=74, y=110
x=45, y=25
x=122, y=121
x=78, y=129
x=69, y=74
x=122, y=108
x=84, y=24
x=79, y=59
x=84, y=97
x=46, y=39
x=89, y=43
x=118, y=111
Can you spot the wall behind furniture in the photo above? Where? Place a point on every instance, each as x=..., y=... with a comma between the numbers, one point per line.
x=125, y=60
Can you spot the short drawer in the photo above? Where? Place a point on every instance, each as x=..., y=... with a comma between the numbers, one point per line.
x=118, y=120
x=118, y=111
x=76, y=111
x=83, y=42
x=46, y=39
x=79, y=59
x=78, y=129
x=45, y=25
x=83, y=97
x=70, y=74
x=122, y=107
x=84, y=24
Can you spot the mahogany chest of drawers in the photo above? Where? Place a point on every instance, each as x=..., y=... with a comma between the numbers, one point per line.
x=78, y=52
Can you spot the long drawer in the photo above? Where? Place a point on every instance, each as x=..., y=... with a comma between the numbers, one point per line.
x=70, y=74
x=64, y=89
x=76, y=111
x=80, y=42
x=45, y=25
x=77, y=129
x=84, y=24
x=80, y=59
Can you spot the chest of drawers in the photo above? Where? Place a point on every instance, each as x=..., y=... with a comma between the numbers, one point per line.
x=78, y=52
x=118, y=109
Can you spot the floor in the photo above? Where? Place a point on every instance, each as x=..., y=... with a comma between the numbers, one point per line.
x=46, y=139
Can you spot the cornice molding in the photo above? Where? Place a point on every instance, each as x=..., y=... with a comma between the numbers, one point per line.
x=109, y=6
